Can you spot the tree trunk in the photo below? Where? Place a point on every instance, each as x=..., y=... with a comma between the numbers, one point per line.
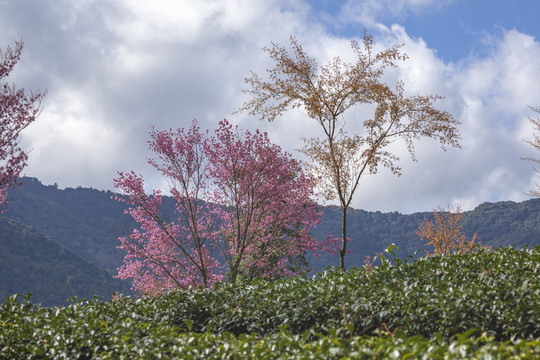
x=343, y=249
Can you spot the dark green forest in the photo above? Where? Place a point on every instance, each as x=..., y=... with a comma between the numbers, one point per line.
x=82, y=225
x=32, y=262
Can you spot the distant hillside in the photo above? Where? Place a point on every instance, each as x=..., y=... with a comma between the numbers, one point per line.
x=31, y=262
x=497, y=224
x=87, y=222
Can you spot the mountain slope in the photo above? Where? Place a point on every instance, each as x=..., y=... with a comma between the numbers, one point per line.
x=31, y=262
x=88, y=222
x=496, y=224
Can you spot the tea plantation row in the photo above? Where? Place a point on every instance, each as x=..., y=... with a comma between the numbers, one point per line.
x=477, y=305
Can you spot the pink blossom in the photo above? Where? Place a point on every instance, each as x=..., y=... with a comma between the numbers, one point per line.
x=243, y=208
x=17, y=111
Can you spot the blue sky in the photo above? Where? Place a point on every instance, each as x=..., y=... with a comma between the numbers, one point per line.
x=113, y=68
x=456, y=29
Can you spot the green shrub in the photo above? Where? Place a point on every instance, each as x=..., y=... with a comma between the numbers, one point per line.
x=478, y=303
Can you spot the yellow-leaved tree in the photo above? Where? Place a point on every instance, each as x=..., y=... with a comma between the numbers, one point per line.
x=445, y=233
x=339, y=159
x=535, y=143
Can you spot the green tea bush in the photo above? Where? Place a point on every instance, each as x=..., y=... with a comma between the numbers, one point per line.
x=496, y=292
x=483, y=302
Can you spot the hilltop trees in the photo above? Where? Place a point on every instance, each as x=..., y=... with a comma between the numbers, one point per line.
x=339, y=159
x=243, y=209
x=17, y=110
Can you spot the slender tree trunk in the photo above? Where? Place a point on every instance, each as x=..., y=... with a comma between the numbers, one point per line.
x=343, y=249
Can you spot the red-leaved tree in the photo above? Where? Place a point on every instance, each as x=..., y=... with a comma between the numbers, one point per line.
x=243, y=210
x=17, y=110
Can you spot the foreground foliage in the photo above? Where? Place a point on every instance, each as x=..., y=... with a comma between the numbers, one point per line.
x=170, y=342
x=439, y=307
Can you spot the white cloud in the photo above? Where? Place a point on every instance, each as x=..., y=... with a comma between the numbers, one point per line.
x=73, y=143
x=113, y=68
x=490, y=97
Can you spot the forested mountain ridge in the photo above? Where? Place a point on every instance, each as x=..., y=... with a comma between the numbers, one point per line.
x=31, y=262
x=88, y=223
x=496, y=224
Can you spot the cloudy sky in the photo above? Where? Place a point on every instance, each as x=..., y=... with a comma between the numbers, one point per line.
x=113, y=68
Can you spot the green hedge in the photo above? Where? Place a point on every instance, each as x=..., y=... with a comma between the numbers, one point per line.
x=155, y=342
x=484, y=302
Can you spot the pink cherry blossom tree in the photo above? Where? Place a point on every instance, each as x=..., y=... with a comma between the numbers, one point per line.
x=243, y=210
x=265, y=202
x=17, y=110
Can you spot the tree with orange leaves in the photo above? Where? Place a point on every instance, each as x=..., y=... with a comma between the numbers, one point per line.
x=445, y=233
x=339, y=159
x=535, y=144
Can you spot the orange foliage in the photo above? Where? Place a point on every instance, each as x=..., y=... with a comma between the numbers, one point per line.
x=446, y=235
x=339, y=159
x=535, y=144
